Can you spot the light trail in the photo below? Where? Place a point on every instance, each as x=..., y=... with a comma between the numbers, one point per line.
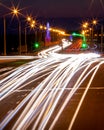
x=21, y=122
x=83, y=96
x=71, y=93
x=53, y=49
x=5, y=69
x=41, y=102
x=17, y=57
x=23, y=73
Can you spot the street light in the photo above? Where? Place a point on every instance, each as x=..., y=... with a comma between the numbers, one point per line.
x=19, y=37
x=85, y=25
x=91, y=28
x=101, y=38
x=25, y=39
x=102, y=28
x=31, y=25
x=94, y=22
x=15, y=12
x=28, y=18
x=4, y=36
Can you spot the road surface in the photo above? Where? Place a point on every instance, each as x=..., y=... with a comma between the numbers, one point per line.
x=57, y=91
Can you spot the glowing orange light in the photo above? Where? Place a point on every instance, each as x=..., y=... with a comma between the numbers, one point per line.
x=32, y=25
x=15, y=11
x=29, y=18
x=33, y=22
x=83, y=32
x=94, y=22
x=41, y=27
x=85, y=25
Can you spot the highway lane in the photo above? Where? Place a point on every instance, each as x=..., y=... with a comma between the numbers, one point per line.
x=49, y=92
x=8, y=86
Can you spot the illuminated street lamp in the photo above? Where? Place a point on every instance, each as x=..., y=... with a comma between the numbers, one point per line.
x=85, y=25
x=14, y=12
x=85, y=28
x=4, y=36
x=19, y=37
x=32, y=24
x=94, y=22
x=102, y=28
x=91, y=30
x=28, y=19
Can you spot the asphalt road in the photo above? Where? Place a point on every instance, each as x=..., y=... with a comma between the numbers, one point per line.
x=88, y=113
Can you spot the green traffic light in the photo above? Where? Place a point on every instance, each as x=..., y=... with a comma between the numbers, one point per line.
x=77, y=34
x=74, y=34
x=36, y=45
x=84, y=45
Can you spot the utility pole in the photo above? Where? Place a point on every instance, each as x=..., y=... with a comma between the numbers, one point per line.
x=101, y=38
x=19, y=38
x=4, y=36
x=26, y=40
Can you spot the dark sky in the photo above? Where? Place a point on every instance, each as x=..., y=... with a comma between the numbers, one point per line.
x=61, y=8
x=60, y=13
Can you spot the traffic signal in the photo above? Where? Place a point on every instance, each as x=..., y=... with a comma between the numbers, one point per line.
x=77, y=34
x=84, y=45
x=74, y=34
x=36, y=45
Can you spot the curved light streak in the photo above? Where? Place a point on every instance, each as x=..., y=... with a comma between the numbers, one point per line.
x=41, y=102
x=83, y=96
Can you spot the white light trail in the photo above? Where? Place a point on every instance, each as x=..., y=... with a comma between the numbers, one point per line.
x=59, y=69
x=83, y=96
x=53, y=49
x=16, y=57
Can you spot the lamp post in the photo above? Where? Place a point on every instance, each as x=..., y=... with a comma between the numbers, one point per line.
x=101, y=38
x=94, y=22
x=86, y=25
x=15, y=11
x=4, y=35
x=32, y=25
x=85, y=28
x=19, y=38
x=28, y=19
x=26, y=39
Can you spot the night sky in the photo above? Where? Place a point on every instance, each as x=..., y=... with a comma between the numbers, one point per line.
x=61, y=13
x=60, y=8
